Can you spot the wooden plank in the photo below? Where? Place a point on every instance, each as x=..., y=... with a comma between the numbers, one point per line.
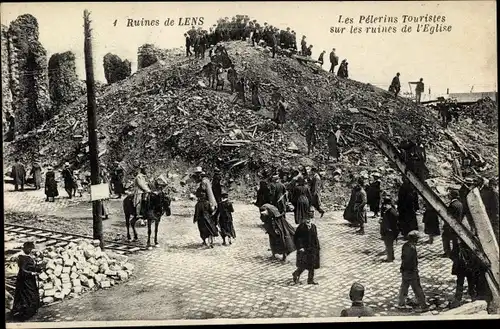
x=485, y=231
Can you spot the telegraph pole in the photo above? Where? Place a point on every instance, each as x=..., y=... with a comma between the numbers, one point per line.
x=92, y=125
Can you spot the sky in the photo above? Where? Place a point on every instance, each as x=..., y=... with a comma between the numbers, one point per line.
x=458, y=60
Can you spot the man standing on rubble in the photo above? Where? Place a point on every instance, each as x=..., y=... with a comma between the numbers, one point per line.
x=409, y=272
x=334, y=60
x=311, y=137
x=280, y=116
x=232, y=77
x=419, y=89
x=395, y=86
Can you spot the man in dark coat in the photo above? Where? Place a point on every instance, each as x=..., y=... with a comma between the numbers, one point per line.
x=395, y=86
x=51, y=190
x=334, y=60
x=308, y=251
x=263, y=194
x=279, y=196
x=217, y=185
x=409, y=272
x=69, y=180
x=18, y=174
x=321, y=58
x=188, y=45
x=316, y=191
x=407, y=208
x=449, y=237
x=311, y=137
x=357, y=309
x=465, y=264
x=281, y=112
x=389, y=227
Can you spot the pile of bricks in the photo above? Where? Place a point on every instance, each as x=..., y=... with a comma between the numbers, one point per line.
x=77, y=268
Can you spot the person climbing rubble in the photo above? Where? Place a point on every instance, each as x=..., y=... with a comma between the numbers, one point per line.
x=281, y=111
x=395, y=86
x=419, y=89
x=343, y=71
x=311, y=137
x=321, y=58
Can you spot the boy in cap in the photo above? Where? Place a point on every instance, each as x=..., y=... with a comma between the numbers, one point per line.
x=357, y=309
x=409, y=272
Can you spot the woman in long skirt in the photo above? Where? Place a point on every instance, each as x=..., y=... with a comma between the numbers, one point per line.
x=203, y=217
x=225, y=211
x=280, y=231
x=301, y=200
x=26, y=297
x=431, y=223
x=51, y=190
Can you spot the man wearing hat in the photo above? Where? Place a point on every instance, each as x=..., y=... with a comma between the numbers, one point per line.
x=409, y=272
x=69, y=180
x=334, y=60
x=449, y=237
x=279, y=196
x=389, y=227
x=315, y=191
x=358, y=309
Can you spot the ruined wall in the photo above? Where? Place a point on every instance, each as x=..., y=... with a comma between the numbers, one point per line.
x=64, y=85
x=6, y=94
x=29, y=81
x=115, y=69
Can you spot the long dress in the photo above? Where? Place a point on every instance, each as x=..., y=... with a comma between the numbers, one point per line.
x=26, y=297
x=307, y=239
x=280, y=231
x=333, y=149
x=301, y=200
x=36, y=171
x=203, y=217
x=431, y=222
x=226, y=226
x=51, y=190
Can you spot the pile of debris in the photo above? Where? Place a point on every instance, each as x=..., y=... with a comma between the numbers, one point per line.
x=168, y=111
x=73, y=269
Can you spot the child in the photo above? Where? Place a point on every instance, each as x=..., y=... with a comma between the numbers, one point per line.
x=225, y=211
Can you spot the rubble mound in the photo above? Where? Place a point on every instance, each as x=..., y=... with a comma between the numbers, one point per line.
x=165, y=114
x=115, y=69
x=73, y=269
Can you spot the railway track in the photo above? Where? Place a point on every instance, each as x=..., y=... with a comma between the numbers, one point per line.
x=61, y=239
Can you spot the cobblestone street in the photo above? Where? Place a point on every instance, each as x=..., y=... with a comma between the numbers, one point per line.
x=184, y=280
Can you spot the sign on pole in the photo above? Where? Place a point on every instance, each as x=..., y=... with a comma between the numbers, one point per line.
x=99, y=192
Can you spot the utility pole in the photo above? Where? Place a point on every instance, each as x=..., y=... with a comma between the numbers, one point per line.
x=92, y=125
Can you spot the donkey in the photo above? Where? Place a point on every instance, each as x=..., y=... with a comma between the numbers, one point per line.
x=157, y=206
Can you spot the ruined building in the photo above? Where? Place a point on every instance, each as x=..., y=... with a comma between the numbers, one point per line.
x=28, y=78
x=115, y=69
x=64, y=85
x=147, y=55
